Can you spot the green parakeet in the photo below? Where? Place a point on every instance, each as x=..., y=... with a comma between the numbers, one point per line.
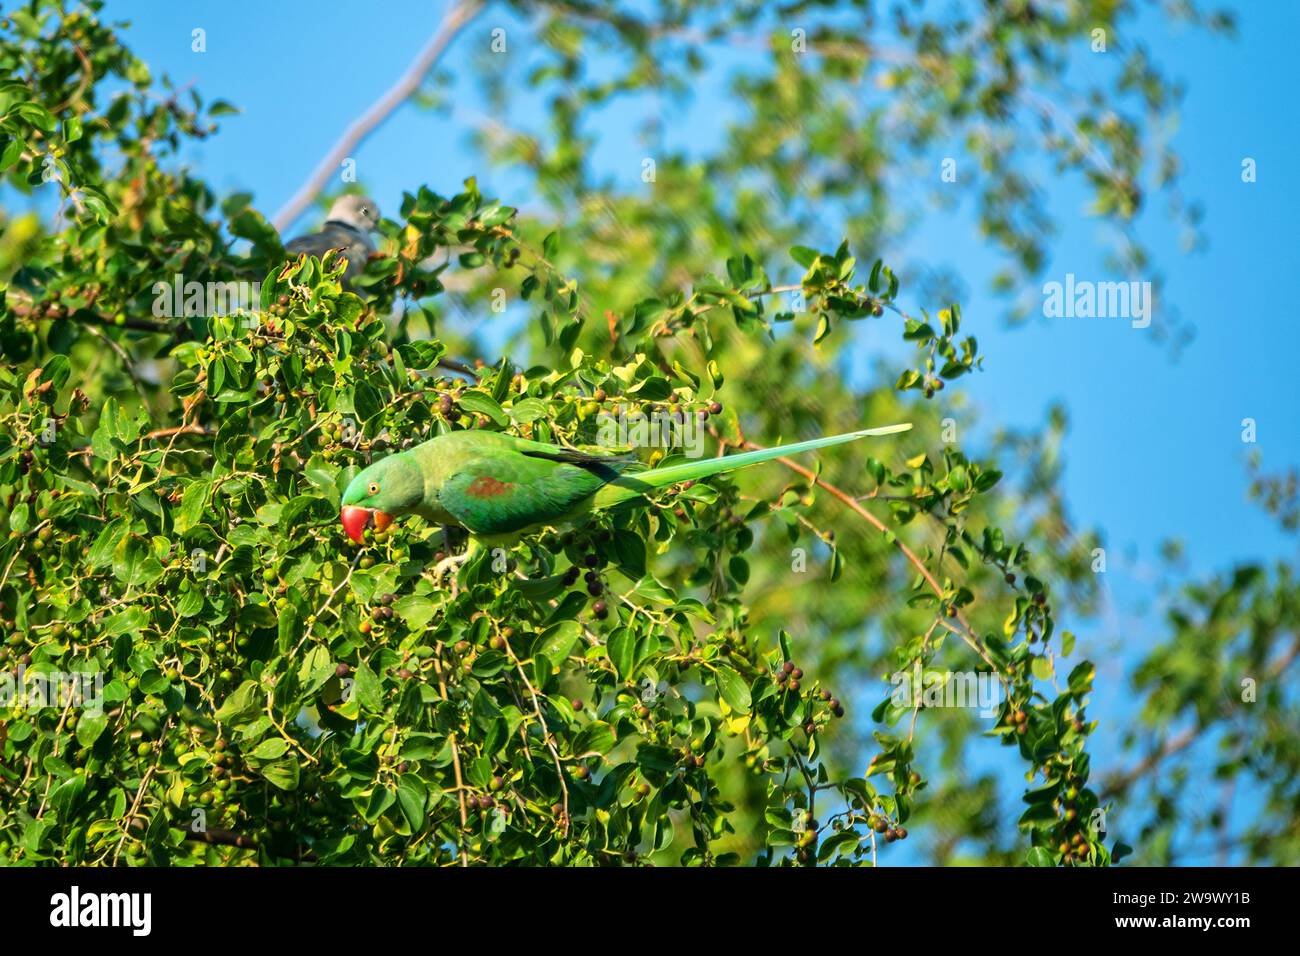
x=496, y=485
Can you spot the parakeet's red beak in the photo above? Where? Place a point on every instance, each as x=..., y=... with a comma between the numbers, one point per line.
x=356, y=520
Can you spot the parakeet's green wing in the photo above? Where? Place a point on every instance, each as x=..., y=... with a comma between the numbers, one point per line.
x=506, y=491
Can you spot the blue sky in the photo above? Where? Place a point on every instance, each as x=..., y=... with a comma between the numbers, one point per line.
x=1155, y=448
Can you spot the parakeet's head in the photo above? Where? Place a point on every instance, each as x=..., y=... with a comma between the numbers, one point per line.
x=390, y=487
x=359, y=212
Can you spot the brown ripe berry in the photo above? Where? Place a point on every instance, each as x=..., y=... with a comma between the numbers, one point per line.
x=342, y=670
x=576, y=703
x=810, y=728
x=891, y=836
x=599, y=395
x=600, y=609
x=797, y=673
x=405, y=674
x=1011, y=578
x=902, y=833
x=793, y=685
x=837, y=708
x=787, y=667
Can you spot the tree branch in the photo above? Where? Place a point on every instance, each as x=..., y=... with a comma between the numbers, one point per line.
x=457, y=16
x=1120, y=781
x=965, y=632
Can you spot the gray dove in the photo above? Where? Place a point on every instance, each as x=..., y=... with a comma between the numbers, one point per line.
x=347, y=228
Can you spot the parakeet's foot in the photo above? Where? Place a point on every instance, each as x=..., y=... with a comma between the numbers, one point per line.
x=452, y=564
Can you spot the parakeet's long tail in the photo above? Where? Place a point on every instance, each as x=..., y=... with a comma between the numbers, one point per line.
x=631, y=486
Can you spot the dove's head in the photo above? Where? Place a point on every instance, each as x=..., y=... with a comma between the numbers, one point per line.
x=359, y=212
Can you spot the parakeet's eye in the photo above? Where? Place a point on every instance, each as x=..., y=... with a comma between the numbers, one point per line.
x=373, y=489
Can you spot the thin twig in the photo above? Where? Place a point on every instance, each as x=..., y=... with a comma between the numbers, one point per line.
x=460, y=14
x=455, y=761
x=965, y=632
x=546, y=738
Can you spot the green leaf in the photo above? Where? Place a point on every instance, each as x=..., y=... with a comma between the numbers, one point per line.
x=192, y=503
x=411, y=797
x=480, y=403
x=621, y=649
x=803, y=255
x=558, y=641
x=270, y=749
x=1042, y=668
x=1080, y=680
x=283, y=773
x=629, y=553
x=733, y=688
x=597, y=737
x=1039, y=856
x=89, y=728
x=240, y=705
x=369, y=692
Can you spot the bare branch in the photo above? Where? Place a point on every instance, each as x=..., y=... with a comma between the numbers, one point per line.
x=456, y=18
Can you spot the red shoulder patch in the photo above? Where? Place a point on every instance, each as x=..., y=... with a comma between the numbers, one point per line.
x=485, y=486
